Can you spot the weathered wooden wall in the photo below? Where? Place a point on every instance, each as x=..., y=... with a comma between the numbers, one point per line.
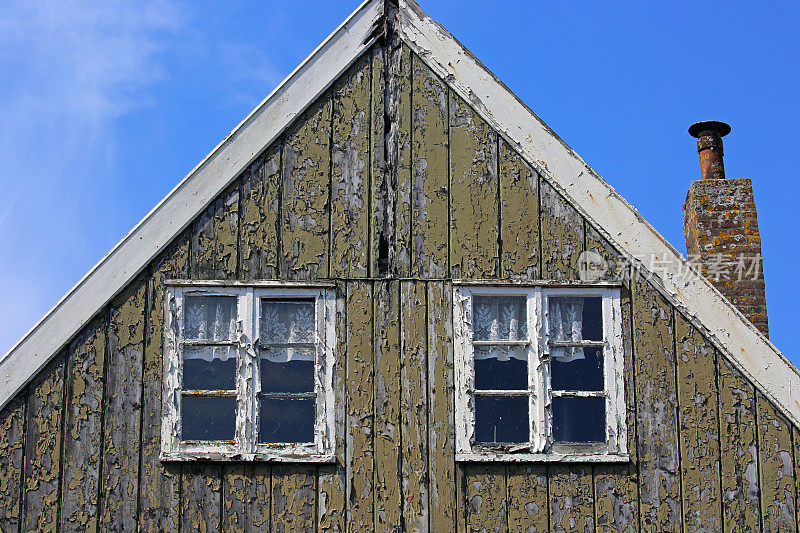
x=392, y=213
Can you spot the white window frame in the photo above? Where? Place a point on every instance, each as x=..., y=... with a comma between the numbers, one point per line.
x=246, y=446
x=540, y=446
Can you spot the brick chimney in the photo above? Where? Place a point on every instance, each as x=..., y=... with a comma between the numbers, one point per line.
x=721, y=228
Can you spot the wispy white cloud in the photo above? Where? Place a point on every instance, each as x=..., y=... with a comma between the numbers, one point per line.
x=70, y=69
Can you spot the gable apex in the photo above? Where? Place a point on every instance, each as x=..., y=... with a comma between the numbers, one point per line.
x=597, y=201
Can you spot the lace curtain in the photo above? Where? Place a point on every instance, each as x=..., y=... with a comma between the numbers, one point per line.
x=287, y=322
x=499, y=318
x=211, y=318
x=566, y=324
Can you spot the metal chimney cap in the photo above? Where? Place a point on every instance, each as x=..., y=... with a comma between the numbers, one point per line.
x=720, y=128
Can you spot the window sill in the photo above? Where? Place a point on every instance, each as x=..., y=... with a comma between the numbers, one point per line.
x=495, y=457
x=265, y=457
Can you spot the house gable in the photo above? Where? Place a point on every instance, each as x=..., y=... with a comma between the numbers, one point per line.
x=327, y=196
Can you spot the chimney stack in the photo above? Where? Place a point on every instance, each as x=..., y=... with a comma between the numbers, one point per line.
x=721, y=228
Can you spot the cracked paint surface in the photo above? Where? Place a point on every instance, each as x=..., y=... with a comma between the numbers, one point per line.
x=776, y=468
x=349, y=180
x=473, y=201
x=43, y=448
x=121, y=431
x=260, y=201
x=699, y=426
x=656, y=396
x=429, y=172
x=306, y=167
x=739, y=449
x=84, y=384
x=12, y=441
x=519, y=211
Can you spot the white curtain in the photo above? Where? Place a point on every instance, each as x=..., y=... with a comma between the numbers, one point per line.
x=210, y=318
x=566, y=324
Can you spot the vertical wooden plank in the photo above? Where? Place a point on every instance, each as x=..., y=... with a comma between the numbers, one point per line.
x=414, y=405
x=698, y=401
x=796, y=443
x=332, y=483
x=528, y=508
x=388, y=509
x=444, y=505
x=201, y=483
x=402, y=94
x=350, y=178
x=486, y=497
x=121, y=412
x=429, y=173
x=382, y=196
x=260, y=222
x=159, y=491
x=201, y=502
x=519, y=216
x=616, y=489
x=473, y=200
x=739, y=450
x=245, y=497
x=306, y=183
x=616, y=498
x=293, y=498
x=12, y=442
x=657, y=421
x=360, y=407
x=80, y=481
x=571, y=498
x=604, y=264
x=776, y=468
x=43, y=440
x=562, y=235
x=215, y=238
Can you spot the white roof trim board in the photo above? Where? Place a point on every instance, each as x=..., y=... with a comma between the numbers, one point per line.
x=749, y=350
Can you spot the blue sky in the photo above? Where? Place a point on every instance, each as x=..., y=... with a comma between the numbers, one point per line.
x=106, y=106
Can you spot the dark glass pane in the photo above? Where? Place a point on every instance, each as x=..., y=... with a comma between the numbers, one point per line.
x=209, y=368
x=501, y=367
x=287, y=370
x=575, y=318
x=209, y=317
x=206, y=418
x=501, y=419
x=287, y=420
x=579, y=419
x=576, y=373
x=592, y=319
x=499, y=318
x=287, y=321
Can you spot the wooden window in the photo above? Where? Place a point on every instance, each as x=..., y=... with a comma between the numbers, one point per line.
x=248, y=372
x=539, y=373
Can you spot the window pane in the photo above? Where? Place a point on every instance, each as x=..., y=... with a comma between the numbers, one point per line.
x=582, y=371
x=209, y=368
x=499, y=318
x=206, y=418
x=575, y=318
x=501, y=419
x=501, y=367
x=579, y=419
x=287, y=370
x=287, y=420
x=287, y=321
x=210, y=317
